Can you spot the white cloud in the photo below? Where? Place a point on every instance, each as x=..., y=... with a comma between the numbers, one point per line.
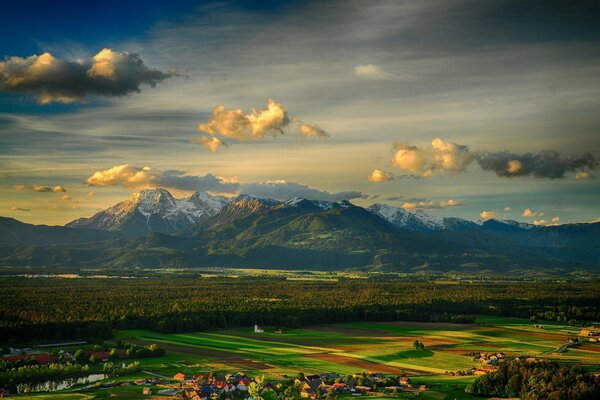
x=379, y=175
x=442, y=157
x=235, y=124
x=487, y=214
x=528, y=213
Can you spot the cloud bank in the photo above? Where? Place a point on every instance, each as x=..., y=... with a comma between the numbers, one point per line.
x=234, y=124
x=49, y=79
x=134, y=177
x=284, y=190
x=451, y=158
x=429, y=204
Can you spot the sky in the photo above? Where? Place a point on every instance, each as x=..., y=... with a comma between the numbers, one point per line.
x=458, y=108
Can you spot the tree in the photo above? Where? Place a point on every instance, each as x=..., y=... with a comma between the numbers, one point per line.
x=114, y=354
x=416, y=345
x=81, y=356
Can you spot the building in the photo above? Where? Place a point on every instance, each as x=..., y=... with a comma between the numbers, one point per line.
x=146, y=391
x=258, y=329
x=179, y=376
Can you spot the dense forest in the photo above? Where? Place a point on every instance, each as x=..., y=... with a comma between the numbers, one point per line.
x=538, y=380
x=51, y=308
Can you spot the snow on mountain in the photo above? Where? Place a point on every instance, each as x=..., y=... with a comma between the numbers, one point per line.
x=154, y=210
x=418, y=221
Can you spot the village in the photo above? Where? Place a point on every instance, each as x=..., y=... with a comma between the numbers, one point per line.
x=207, y=385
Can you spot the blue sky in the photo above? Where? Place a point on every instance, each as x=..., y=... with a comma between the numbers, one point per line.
x=360, y=93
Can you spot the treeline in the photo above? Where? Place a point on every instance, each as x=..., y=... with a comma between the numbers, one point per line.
x=57, y=309
x=538, y=380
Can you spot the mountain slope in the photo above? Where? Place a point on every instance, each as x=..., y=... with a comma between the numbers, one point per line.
x=13, y=233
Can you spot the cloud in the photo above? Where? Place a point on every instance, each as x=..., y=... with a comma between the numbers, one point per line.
x=446, y=157
x=442, y=157
x=236, y=125
x=312, y=130
x=66, y=197
x=108, y=73
x=373, y=72
x=13, y=208
x=582, y=175
x=487, y=214
x=429, y=204
x=528, y=213
x=507, y=209
x=135, y=177
x=379, y=175
x=90, y=195
x=540, y=222
x=544, y=164
x=39, y=188
x=556, y=220
x=284, y=190
x=211, y=143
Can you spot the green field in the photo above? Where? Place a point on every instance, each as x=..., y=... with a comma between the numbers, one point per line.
x=355, y=347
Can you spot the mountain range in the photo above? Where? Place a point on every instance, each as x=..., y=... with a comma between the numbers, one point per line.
x=153, y=229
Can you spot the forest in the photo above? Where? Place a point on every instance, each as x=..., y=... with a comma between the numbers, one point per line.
x=538, y=380
x=52, y=308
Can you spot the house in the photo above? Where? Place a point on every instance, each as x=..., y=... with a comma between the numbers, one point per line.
x=377, y=376
x=310, y=388
x=423, y=388
x=258, y=329
x=201, y=376
x=219, y=381
x=330, y=376
x=179, y=376
x=588, y=332
x=363, y=388
x=404, y=380
x=146, y=391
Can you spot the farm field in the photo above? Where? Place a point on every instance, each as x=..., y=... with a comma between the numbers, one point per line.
x=357, y=347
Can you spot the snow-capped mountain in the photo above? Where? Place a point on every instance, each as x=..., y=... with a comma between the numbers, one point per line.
x=315, y=205
x=418, y=221
x=153, y=210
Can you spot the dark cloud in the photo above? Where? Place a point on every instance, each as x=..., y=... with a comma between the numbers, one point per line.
x=545, y=164
x=108, y=73
x=446, y=157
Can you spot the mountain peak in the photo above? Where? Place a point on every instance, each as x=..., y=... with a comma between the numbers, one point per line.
x=153, y=210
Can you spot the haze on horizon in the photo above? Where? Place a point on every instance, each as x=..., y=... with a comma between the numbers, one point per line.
x=467, y=108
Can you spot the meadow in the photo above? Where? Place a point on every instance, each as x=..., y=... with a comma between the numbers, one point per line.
x=347, y=348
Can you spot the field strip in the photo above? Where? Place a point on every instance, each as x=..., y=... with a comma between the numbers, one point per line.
x=392, y=363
